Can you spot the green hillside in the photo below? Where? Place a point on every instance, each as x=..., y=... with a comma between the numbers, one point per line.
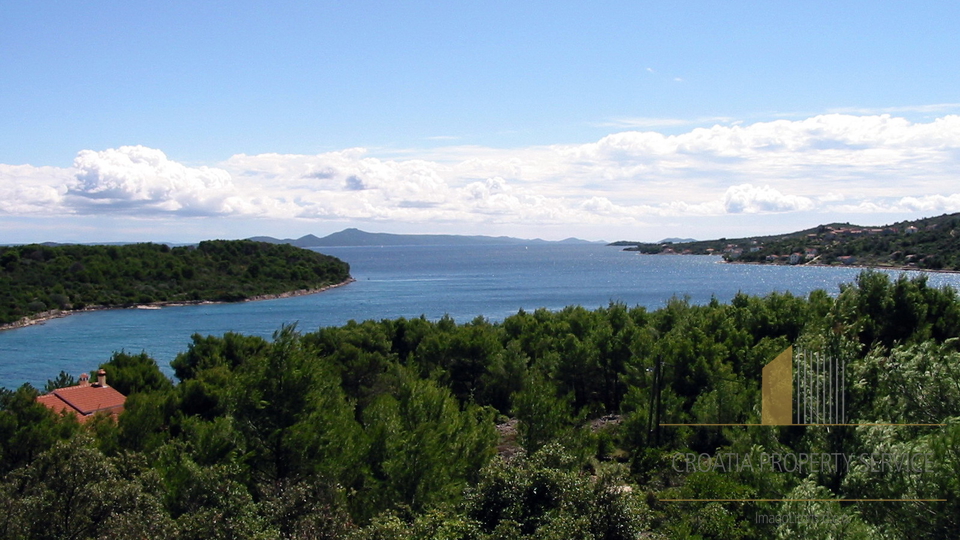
x=928, y=244
x=37, y=278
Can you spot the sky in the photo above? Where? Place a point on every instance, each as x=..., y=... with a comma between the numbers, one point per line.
x=181, y=121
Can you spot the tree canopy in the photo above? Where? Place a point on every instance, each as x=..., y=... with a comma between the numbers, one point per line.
x=38, y=278
x=545, y=425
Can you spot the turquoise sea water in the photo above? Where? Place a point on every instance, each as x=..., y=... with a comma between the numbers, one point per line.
x=464, y=282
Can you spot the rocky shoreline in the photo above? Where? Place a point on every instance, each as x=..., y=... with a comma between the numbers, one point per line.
x=44, y=316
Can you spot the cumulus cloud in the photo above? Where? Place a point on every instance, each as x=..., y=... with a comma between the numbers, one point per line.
x=747, y=198
x=932, y=203
x=29, y=190
x=140, y=179
x=827, y=163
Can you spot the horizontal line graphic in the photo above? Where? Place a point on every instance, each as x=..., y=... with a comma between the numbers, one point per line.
x=783, y=425
x=803, y=500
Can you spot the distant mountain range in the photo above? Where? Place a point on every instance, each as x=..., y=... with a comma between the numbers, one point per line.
x=356, y=237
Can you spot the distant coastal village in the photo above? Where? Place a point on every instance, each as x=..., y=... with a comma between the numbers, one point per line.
x=732, y=252
x=927, y=244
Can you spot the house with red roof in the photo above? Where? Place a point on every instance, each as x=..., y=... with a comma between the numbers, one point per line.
x=86, y=399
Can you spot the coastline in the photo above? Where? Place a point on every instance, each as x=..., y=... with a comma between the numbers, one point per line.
x=819, y=265
x=44, y=316
x=860, y=266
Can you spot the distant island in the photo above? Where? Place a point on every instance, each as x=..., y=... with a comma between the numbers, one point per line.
x=923, y=244
x=356, y=237
x=41, y=281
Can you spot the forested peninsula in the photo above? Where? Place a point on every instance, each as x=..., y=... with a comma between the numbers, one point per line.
x=610, y=424
x=44, y=280
x=925, y=244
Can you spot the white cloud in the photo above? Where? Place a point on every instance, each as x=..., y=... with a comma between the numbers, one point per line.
x=750, y=199
x=831, y=197
x=932, y=203
x=139, y=179
x=828, y=163
x=927, y=204
x=28, y=190
x=923, y=109
x=645, y=122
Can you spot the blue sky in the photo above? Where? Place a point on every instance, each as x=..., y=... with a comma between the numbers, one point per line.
x=183, y=120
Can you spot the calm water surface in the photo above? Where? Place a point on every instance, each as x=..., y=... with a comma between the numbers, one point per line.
x=492, y=281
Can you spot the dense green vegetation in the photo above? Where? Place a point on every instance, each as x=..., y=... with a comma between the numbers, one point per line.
x=930, y=244
x=36, y=278
x=403, y=429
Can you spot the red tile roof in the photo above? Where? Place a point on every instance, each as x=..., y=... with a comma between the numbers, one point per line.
x=84, y=400
x=55, y=403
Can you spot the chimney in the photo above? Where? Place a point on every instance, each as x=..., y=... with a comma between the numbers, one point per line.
x=84, y=380
x=101, y=377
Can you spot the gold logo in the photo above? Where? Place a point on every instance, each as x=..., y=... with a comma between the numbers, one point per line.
x=777, y=391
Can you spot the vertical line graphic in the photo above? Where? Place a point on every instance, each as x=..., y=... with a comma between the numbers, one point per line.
x=820, y=383
x=843, y=393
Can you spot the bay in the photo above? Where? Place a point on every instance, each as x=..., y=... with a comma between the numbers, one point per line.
x=409, y=281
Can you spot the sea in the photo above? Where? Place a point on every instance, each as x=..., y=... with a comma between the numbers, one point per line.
x=464, y=282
